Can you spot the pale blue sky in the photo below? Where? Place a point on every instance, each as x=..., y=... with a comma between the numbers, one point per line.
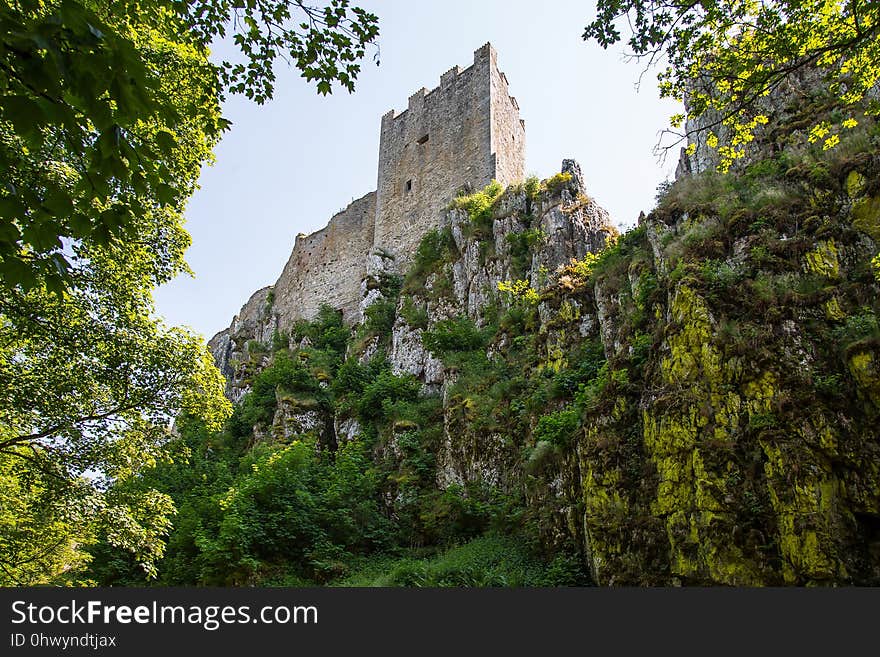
x=286, y=167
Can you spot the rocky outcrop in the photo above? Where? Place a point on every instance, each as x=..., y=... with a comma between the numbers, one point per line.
x=565, y=224
x=728, y=431
x=238, y=350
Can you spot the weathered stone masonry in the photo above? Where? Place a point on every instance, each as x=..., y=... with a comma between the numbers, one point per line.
x=458, y=136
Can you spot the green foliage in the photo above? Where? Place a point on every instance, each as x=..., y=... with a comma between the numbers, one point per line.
x=107, y=113
x=586, y=363
x=280, y=340
x=579, y=271
x=608, y=380
x=479, y=207
x=557, y=182
x=532, y=188
x=462, y=512
x=285, y=373
x=618, y=253
x=829, y=385
x=522, y=246
x=558, y=428
x=459, y=334
x=40, y=537
x=855, y=328
x=124, y=104
x=257, y=347
x=91, y=375
x=490, y=560
x=382, y=392
x=720, y=276
x=292, y=508
x=724, y=56
x=435, y=249
x=519, y=292
x=379, y=316
x=415, y=314
x=327, y=332
x=641, y=346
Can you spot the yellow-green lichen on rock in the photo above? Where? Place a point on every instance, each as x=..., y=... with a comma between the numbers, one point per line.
x=864, y=367
x=865, y=209
x=691, y=491
x=569, y=311
x=833, y=311
x=823, y=260
x=855, y=184
x=805, y=494
x=691, y=352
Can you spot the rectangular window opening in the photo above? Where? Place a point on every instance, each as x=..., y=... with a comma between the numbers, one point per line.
x=408, y=185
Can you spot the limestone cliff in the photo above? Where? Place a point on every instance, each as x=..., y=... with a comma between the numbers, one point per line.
x=699, y=405
x=694, y=402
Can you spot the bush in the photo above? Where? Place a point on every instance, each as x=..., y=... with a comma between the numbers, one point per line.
x=454, y=335
x=586, y=364
x=559, y=428
x=856, y=328
x=380, y=393
x=327, y=331
x=720, y=276
x=415, y=314
x=532, y=188
x=296, y=513
x=522, y=245
x=258, y=406
x=557, y=182
x=479, y=207
x=379, y=317
x=641, y=346
x=280, y=340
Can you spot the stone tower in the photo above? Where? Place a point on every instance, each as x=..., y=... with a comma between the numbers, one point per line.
x=457, y=136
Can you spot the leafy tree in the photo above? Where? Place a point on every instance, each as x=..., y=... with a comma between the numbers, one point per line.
x=723, y=56
x=107, y=112
x=88, y=386
x=108, y=109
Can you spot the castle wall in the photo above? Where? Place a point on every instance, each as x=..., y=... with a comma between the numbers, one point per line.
x=327, y=266
x=508, y=132
x=457, y=136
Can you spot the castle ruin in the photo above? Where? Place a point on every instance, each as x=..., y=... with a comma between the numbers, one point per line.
x=457, y=137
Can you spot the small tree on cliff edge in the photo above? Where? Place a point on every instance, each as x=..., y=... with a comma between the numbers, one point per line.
x=740, y=50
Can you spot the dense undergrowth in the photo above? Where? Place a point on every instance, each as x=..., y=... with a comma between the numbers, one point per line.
x=256, y=509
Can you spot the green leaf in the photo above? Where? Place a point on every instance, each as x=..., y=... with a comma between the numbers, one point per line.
x=11, y=208
x=166, y=141
x=15, y=272
x=25, y=115
x=166, y=193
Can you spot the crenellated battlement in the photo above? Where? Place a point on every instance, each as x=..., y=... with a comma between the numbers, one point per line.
x=483, y=54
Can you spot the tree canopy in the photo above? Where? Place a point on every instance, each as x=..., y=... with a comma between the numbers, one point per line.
x=108, y=110
x=722, y=56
